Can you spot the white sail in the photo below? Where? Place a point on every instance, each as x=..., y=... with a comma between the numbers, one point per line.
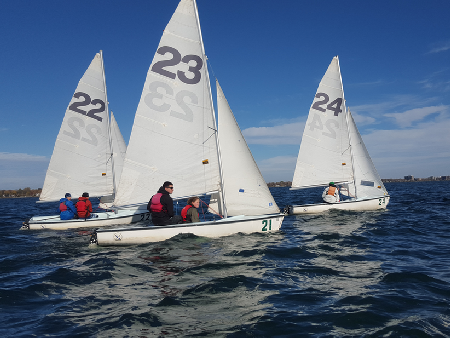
x=245, y=191
x=173, y=135
x=119, y=148
x=367, y=181
x=81, y=154
x=324, y=154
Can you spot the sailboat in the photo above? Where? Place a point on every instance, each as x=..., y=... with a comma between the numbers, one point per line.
x=84, y=158
x=332, y=150
x=175, y=137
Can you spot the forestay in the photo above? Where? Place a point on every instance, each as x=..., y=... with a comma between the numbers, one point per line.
x=173, y=135
x=245, y=191
x=324, y=154
x=81, y=154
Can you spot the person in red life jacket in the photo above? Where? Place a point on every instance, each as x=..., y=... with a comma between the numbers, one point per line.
x=161, y=206
x=66, y=208
x=331, y=193
x=84, y=206
x=190, y=212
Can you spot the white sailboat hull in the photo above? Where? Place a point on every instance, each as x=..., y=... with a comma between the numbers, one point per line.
x=350, y=205
x=125, y=216
x=219, y=228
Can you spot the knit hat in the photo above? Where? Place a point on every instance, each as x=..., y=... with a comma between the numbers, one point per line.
x=67, y=195
x=85, y=194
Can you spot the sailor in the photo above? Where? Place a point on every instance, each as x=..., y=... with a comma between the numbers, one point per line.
x=331, y=193
x=161, y=206
x=66, y=208
x=190, y=212
x=84, y=206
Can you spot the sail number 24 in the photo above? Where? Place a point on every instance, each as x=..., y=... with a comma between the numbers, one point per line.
x=267, y=223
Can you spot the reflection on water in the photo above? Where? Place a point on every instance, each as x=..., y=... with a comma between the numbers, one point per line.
x=186, y=285
x=341, y=262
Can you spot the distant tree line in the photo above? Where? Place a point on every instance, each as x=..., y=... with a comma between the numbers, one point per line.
x=280, y=184
x=27, y=192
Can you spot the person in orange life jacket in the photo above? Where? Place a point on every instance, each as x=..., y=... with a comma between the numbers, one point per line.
x=331, y=193
x=161, y=206
x=84, y=206
x=66, y=208
x=189, y=212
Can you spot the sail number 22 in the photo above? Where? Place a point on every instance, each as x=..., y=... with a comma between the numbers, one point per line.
x=267, y=223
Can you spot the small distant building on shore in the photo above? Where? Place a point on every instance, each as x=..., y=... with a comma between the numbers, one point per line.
x=445, y=178
x=409, y=177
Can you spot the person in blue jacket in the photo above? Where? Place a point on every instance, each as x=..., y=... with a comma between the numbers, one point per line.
x=66, y=208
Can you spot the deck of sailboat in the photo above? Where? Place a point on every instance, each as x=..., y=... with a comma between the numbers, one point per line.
x=124, y=216
x=360, y=204
x=217, y=228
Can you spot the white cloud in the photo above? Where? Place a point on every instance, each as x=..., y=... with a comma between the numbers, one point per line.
x=406, y=118
x=290, y=133
x=422, y=151
x=440, y=47
x=279, y=168
x=362, y=120
x=19, y=170
x=22, y=157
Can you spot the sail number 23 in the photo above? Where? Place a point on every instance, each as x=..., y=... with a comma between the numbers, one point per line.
x=267, y=223
x=159, y=66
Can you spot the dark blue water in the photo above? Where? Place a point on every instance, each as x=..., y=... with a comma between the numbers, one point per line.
x=338, y=274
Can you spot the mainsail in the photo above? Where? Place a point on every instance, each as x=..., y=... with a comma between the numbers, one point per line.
x=245, y=191
x=324, y=154
x=173, y=136
x=81, y=154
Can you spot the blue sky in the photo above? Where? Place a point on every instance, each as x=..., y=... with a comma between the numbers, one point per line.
x=269, y=57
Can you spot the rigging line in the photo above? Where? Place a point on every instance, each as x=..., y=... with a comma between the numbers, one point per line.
x=211, y=208
x=210, y=66
x=348, y=148
x=215, y=131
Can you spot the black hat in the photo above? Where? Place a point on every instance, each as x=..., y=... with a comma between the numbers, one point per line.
x=166, y=184
x=85, y=194
x=68, y=195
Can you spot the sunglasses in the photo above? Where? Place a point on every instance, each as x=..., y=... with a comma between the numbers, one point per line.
x=170, y=188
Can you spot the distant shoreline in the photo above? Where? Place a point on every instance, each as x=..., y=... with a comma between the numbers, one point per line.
x=384, y=180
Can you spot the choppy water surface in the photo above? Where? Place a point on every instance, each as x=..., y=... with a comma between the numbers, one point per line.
x=380, y=274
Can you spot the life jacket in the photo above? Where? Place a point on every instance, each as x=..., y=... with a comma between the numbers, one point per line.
x=62, y=207
x=83, y=208
x=331, y=191
x=156, y=205
x=184, y=213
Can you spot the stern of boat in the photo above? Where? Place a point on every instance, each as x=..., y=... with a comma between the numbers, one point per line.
x=25, y=224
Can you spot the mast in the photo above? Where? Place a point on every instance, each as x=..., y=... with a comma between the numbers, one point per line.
x=213, y=115
x=346, y=111
x=111, y=153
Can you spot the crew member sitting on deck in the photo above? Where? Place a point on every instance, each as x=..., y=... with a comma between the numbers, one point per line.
x=161, y=206
x=189, y=212
x=84, y=206
x=331, y=193
x=66, y=208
